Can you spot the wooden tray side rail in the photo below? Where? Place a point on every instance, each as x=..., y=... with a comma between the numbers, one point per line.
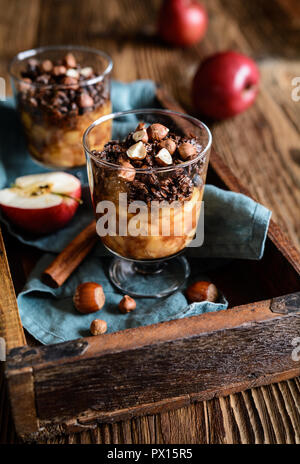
x=172, y=364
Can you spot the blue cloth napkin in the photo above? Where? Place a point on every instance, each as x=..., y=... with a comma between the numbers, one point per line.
x=49, y=315
x=235, y=227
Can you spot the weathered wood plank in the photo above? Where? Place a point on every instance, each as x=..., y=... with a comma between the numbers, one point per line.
x=18, y=29
x=208, y=356
x=10, y=324
x=22, y=400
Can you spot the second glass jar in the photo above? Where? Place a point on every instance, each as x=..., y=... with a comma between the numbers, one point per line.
x=60, y=91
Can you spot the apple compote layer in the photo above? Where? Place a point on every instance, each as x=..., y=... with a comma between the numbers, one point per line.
x=56, y=106
x=164, y=220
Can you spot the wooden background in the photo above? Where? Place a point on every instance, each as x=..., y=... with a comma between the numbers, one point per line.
x=262, y=147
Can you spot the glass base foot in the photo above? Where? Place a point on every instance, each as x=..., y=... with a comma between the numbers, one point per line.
x=149, y=280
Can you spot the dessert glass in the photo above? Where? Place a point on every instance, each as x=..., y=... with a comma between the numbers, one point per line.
x=147, y=246
x=55, y=115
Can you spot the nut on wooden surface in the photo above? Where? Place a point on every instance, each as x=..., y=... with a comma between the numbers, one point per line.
x=89, y=297
x=98, y=327
x=127, y=304
x=202, y=291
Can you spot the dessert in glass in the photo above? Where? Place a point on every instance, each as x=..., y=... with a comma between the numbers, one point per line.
x=146, y=186
x=59, y=92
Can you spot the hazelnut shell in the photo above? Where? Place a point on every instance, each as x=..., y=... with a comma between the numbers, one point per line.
x=187, y=151
x=202, y=291
x=89, y=297
x=157, y=131
x=127, y=304
x=169, y=144
x=98, y=327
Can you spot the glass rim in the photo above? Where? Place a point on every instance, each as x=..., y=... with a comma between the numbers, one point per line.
x=33, y=52
x=147, y=111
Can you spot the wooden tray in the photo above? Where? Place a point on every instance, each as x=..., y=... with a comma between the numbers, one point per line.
x=71, y=386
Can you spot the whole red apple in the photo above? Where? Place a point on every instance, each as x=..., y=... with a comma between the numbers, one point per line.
x=182, y=22
x=41, y=203
x=225, y=84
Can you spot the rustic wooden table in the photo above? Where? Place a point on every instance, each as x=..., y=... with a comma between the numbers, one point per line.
x=262, y=147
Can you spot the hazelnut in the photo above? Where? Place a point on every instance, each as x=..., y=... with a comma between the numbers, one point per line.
x=89, y=297
x=157, y=131
x=47, y=66
x=127, y=304
x=140, y=135
x=59, y=70
x=70, y=60
x=72, y=73
x=163, y=158
x=70, y=82
x=98, y=327
x=137, y=151
x=127, y=174
x=86, y=72
x=202, y=291
x=187, y=151
x=85, y=100
x=169, y=144
x=140, y=126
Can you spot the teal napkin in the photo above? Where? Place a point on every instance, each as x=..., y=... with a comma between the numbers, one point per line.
x=235, y=227
x=49, y=315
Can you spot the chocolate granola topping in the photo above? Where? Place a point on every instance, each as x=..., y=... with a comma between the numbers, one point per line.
x=58, y=90
x=171, y=185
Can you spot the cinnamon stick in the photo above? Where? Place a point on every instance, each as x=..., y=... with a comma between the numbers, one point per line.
x=68, y=260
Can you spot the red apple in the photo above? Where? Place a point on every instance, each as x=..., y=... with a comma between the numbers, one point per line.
x=225, y=85
x=182, y=22
x=41, y=203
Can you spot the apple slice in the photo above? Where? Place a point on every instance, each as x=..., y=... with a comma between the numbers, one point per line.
x=41, y=203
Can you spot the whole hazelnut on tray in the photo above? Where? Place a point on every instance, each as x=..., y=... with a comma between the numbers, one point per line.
x=98, y=327
x=89, y=297
x=202, y=291
x=127, y=304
